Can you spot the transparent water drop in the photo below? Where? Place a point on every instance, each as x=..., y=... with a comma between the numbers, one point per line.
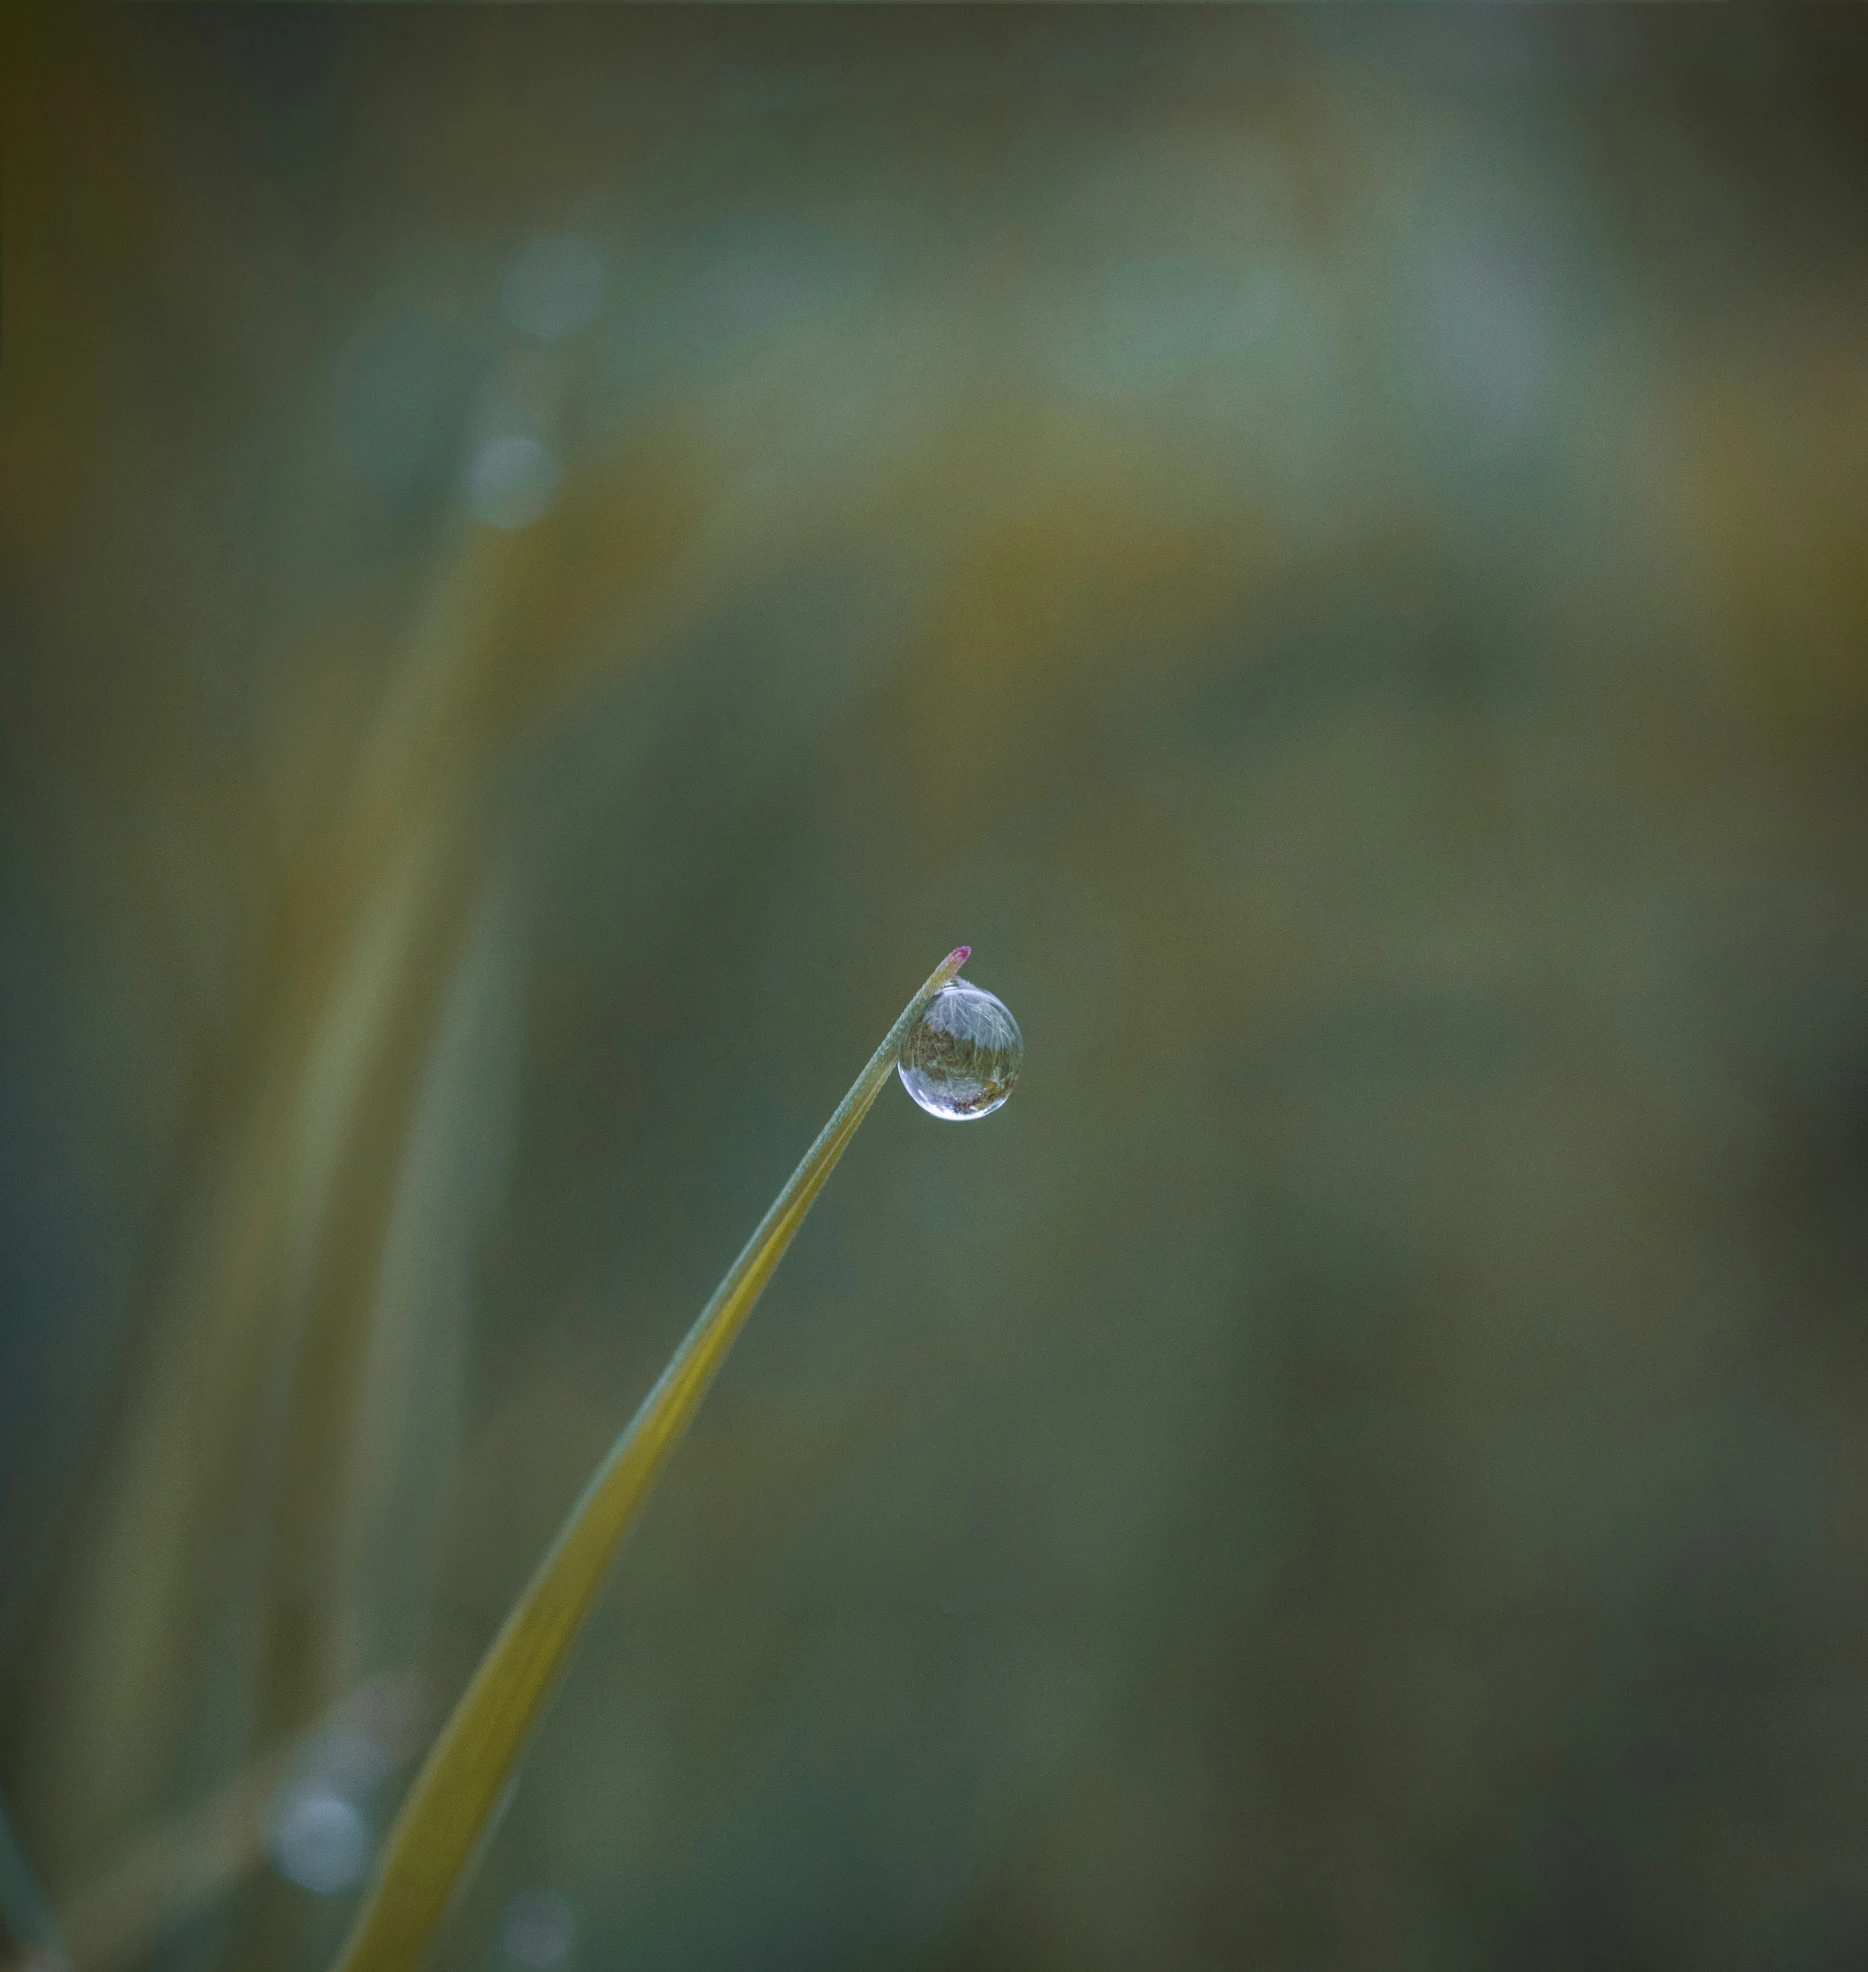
x=962, y=1056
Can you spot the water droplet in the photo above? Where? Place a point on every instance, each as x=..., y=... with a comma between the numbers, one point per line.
x=962, y=1056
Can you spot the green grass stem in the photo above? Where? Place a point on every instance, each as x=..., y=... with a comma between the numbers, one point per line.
x=454, y=1795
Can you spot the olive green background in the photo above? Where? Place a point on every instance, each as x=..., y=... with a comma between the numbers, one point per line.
x=1326, y=544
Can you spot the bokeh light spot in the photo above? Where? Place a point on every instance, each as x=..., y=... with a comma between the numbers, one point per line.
x=321, y=1842
x=539, y=1930
x=512, y=481
x=552, y=287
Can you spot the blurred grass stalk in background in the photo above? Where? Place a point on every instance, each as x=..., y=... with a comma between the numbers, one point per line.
x=310, y=1802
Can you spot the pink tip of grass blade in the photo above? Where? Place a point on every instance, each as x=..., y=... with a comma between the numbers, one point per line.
x=959, y=955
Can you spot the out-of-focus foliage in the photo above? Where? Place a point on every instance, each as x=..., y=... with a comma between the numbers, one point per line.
x=549, y=558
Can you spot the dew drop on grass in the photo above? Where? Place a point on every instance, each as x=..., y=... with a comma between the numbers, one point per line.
x=962, y=1056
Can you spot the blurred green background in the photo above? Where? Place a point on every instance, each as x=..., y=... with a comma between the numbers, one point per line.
x=554, y=562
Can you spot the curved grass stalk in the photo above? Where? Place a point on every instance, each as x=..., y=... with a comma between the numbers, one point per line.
x=459, y=1785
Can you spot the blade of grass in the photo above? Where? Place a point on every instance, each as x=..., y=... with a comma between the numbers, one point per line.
x=460, y=1782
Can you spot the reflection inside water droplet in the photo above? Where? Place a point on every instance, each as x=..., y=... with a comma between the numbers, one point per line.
x=962, y=1056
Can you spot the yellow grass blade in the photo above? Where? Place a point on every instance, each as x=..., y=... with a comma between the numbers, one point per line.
x=460, y=1782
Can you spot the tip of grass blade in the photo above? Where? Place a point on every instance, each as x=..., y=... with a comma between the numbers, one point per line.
x=959, y=955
